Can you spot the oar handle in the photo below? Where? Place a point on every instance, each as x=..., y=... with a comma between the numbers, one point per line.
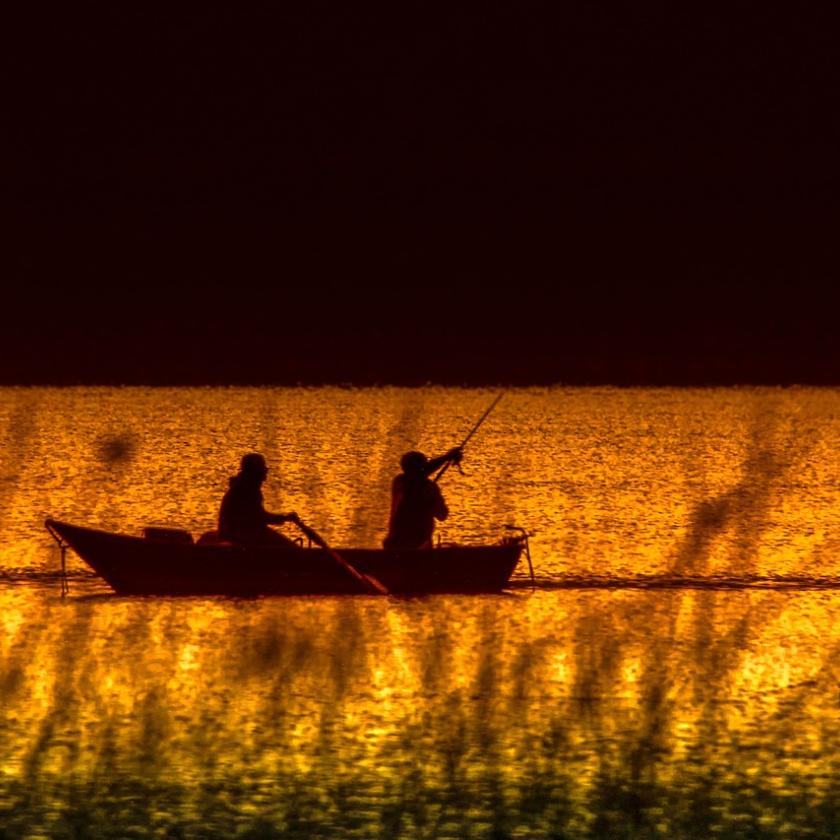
x=311, y=534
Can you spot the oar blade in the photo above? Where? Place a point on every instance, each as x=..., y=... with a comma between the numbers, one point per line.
x=376, y=584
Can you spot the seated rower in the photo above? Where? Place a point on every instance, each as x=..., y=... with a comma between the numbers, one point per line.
x=416, y=500
x=242, y=517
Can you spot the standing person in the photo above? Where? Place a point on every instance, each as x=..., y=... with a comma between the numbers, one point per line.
x=416, y=501
x=242, y=517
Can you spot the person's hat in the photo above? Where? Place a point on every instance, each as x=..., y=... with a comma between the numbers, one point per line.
x=252, y=463
x=413, y=462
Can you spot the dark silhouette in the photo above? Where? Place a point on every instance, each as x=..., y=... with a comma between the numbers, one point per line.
x=416, y=501
x=242, y=517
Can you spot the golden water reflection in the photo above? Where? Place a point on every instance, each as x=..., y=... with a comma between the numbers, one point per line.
x=579, y=711
x=568, y=709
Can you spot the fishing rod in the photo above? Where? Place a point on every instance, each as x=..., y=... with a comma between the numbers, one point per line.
x=466, y=440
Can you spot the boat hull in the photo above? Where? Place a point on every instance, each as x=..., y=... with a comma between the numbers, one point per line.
x=138, y=566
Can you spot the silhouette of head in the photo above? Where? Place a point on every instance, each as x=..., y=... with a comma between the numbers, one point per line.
x=253, y=465
x=413, y=463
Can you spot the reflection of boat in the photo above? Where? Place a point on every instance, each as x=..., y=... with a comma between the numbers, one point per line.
x=169, y=562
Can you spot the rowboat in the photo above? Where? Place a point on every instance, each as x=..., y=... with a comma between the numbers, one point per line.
x=170, y=562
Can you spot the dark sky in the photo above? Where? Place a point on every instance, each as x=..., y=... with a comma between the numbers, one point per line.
x=519, y=193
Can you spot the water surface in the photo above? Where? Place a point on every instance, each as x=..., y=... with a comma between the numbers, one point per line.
x=673, y=673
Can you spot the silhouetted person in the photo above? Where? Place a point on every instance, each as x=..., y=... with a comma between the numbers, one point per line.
x=416, y=501
x=242, y=517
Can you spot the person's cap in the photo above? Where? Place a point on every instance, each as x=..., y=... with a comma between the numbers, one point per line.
x=413, y=462
x=253, y=462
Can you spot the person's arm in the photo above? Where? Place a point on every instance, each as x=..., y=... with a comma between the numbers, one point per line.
x=280, y=518
x=440, y=510
x=396, y=493
x=454, y=455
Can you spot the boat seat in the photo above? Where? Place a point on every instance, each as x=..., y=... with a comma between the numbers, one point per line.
x=211, y=538
x=169, y=535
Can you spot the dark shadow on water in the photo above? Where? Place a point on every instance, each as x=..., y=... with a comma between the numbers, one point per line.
x=116, y=450
x=43, y=576
x=743, y=511
x=733, y=582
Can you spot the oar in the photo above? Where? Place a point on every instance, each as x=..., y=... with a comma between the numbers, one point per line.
x=368, y=581
x=466, y=440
